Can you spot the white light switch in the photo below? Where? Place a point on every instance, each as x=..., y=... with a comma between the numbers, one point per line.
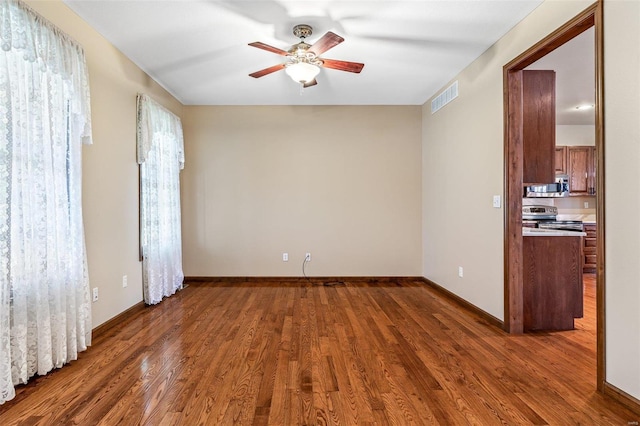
x=496, y=201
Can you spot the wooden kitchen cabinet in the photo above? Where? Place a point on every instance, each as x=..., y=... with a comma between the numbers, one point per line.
x=561, y=160
x=581, y=168
x=552, y=282
x=538, y=126
x=589, y=265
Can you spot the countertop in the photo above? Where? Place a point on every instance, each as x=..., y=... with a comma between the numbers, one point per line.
x=540, y=232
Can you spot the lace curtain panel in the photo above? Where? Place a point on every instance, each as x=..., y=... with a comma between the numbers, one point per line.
x=161, y=157
x=45, y=310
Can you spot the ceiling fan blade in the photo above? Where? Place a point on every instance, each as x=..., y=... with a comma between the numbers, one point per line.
x=311, y=83
x=342, y=65
x=325, y=43
x=266, y=71
x=263, y=46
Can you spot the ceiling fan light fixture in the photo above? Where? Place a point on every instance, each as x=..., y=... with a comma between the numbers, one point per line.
x=302, y=72
x=303, y=60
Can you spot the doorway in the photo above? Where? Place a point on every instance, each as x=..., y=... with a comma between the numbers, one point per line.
x=513, y=154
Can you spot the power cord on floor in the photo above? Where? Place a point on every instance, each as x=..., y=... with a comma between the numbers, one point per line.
x=326, y=284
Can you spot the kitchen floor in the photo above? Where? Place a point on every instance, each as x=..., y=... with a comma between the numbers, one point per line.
x=588, y=322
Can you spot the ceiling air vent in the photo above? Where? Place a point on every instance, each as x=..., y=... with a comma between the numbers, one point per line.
x=449, y=94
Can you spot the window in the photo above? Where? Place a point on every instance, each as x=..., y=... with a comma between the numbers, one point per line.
x=45, y=309
x=161, y=157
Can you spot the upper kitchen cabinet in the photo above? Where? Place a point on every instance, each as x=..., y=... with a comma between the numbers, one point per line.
x=539, y=126
x=581, y=168
x=561, y=160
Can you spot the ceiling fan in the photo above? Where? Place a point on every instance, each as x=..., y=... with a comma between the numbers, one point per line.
x=303, y=60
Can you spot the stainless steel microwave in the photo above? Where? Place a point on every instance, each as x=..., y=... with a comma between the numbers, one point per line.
x=559, y=188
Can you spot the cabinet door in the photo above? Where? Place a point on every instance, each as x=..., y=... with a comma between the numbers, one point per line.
x=590, y=248
x=552, y=282
x=592, y=172
x=579, y=160
x=561, y=160
x=538, y=126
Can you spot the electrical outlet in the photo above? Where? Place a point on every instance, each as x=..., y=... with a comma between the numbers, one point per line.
x=307, y=257
x=496, y=201
x=95, y=294
x=124, y=281
x=460, y=271
x=586, y=204
x=285, y=257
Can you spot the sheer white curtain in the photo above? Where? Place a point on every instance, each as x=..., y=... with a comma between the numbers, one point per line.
x=161, y=157
x=45, y=311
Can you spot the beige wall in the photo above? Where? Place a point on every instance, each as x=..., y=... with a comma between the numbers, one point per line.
x=572, y=135
x=463, y=168
x=622, y=195
x=110, y=171
x=575, y=205
x=340, y=182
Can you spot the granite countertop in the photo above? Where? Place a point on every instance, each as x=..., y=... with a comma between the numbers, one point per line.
x=540, y=232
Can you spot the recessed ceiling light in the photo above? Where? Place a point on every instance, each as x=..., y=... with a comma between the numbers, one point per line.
x=581, y=107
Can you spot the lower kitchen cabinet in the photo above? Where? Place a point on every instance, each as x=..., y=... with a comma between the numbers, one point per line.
x=589, y=248
x=552, y=282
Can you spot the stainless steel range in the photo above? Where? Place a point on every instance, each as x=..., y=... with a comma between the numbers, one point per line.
x=546, y=217
x=539, y=212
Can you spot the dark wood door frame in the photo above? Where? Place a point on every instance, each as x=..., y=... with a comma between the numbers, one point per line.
x=513, y=168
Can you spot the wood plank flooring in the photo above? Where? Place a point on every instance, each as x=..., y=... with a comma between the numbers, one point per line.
x=387, y=352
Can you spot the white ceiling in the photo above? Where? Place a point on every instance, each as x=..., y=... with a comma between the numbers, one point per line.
x=574, y=64
x=197, y=49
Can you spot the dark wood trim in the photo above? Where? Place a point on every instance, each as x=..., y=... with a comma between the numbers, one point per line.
x=513, y=303
x=121, y=318
x=490, y=319
x=314, y=279
x=573, y=28
x=623, y=398
x=600, y=199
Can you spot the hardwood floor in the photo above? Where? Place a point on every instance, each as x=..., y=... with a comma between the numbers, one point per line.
x=289, y=353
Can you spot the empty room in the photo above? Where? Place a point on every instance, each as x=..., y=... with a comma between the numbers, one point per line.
x=271, y=212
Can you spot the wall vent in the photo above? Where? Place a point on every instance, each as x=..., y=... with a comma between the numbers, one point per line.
x=449, y=94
